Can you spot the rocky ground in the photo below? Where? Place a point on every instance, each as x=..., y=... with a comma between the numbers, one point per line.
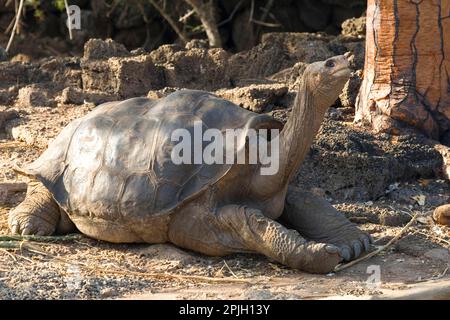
x=378, y=181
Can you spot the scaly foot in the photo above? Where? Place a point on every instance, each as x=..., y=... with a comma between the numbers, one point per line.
x=317, y=220
x=316, y=257
x=38, y=214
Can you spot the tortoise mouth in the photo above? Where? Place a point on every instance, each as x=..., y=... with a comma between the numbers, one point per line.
x=343, y=72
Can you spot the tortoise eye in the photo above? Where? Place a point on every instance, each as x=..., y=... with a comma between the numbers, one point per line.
x=329, y=64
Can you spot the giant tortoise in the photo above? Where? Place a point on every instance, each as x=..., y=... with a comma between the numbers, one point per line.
x=110, y=175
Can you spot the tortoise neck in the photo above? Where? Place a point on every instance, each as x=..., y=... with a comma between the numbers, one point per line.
x=299, y=132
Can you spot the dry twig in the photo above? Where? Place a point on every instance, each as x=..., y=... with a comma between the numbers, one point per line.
x=262, y=21
x=69, y=22
x=97, y=269
x=9, y=254
x=186, y=16
x=13, y=144
x=15, y=238
x=266, y=24
x=16, y=23
x=229, y=269
x=436, y=277
x=434, y=237
x=231, y=16
x=374, y=253
x=169, y=19
x=252, y=12
x=112, y=8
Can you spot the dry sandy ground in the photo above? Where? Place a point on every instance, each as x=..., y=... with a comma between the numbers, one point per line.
x=82, y=268
x=85, y=268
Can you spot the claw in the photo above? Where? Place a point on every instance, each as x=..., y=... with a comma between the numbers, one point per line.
x=27, y=230
x=15, y=229
x=357, y=248
x=331, y=249
x=366, y=243
x=345, y=253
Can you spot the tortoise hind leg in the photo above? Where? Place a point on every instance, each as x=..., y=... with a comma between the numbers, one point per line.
x=38, y=214
x=316, y=219
x=235, y=228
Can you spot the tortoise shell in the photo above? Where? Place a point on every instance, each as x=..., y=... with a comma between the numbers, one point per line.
x=115, y=162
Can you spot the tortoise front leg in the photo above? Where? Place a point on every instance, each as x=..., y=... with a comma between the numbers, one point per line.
x=316, y=219
x=235, y=228
x=39, y=214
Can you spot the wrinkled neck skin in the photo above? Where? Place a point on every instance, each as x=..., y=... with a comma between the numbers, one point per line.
x=300, y=130
x=295, y=139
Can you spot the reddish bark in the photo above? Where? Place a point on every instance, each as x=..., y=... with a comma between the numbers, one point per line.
x=406, y=74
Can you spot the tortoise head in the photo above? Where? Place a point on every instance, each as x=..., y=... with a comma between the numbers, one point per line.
x=326, y=79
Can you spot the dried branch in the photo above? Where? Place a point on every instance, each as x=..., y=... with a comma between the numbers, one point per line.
x=112, y=8
x=10, y=26
x=169, y=19
x=266, y=24
x=15, y=238
x=13, y=32
x=252, y=12
x=186, y=16
x=262, y=20
x=69, y=23
x=236, y=8
x=205, y=11
x=141, y=9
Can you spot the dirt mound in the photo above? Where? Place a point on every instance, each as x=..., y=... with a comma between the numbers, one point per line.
x=350, y=163
x=125, y=77
x=351, y=89
x=96, y=49
x=257, y=98
x=6, y=115
x=354, y=27
x=279, y=51
x=74, y=95
x=16, y=73
x=194, y=68
x=36, y=84
x=34, y=96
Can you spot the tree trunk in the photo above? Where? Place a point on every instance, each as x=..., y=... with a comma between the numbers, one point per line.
x=205, y=11
x=406, y=74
